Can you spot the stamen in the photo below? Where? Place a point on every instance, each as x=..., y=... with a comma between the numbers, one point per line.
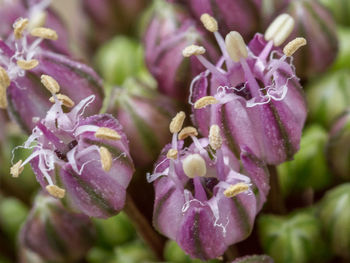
x=106, y=159
x=19, y=27
x=193, y=50
x=56, y=191
x=280, y=29
x=43, y=32
x=177, y=122
x=105, y=133
x=172, y=154
x=16, y=169
x=4, y=78
x=215, y=139
x=194, y=165
x=66, y=101
x=3, y=97
x=186, y=132
x=50, y=83
x=209, y=23
x=205, y=101
x=294, y=45
x=235, y=46
x=27, y=64
x=236, y=189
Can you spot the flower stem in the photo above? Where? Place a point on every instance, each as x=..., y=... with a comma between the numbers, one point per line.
x=275, y=202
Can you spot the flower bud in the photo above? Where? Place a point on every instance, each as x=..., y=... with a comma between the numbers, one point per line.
x=334, y=212
x=328, y=97
x=85, y=159
x=343, y=58
x=133, y=252
x=281, y=238
x=309, y=167
x=338, y=153
x=55, y=233
x=340, y=10
x=171, y=30
x=254, y=259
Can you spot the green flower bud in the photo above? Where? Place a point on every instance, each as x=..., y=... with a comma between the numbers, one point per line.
x=343, y=57
x=340, y=10
x=328, y=97
x=134, y=252
x=98, y=255
x=309, y=167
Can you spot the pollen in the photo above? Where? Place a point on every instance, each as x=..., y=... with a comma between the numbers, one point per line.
x=280, y=29
x=172, y=154
x=56, y=191
x=19, y=26
x=16, y=169
x=215, y=139
x=43, y=32
x=106, y=159
x=193, y=50
x=194, y=165
x=186, y=132
x=3, y=97
x=235, y=46
x=27, y=64
x=65, y=100
x=4, y=78
x=236, y=189
x=293, y=46
x=205, y=101
x=177, y=122
x=50, y=83
x=107, y=134
x=209, y=23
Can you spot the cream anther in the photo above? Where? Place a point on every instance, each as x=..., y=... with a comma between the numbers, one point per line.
x=3, y=97
x=209, y=23
x=205, y=101
x=66, y=101
x=194, y=165
x=107, y=134
x=236, y=189
x=27, y=64
x=177, y=122
x=235, y=46
x=50, y=83
x=186, y=132
x=106, y=159
x=16, y=169
x=193, y=50
x=293, y=46
x=280, y=29
x=19, y=26
x=172, y=154
x=215, y=139
x=4, y=78
x=43, y=32
x=56, y=191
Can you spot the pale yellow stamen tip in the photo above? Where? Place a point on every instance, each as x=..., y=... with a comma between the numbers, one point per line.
x=235, y=46
x=209, y=23
x=280, y=29
x=205, y=101
x=19, y=26
x=66, y=101
x=177, y=122
x=50, y=83
x=293, y=46
x=107, y=134
x=56, y=191
x=186, y=132
x=236, y=189
x=194, y=165
x=215, y=139
x=172, y=154
x=193, y=50
x=4, y=78
x=16, y=169
x=43, y=32
x=27, y=64
x=3, y=97
x=106, y=159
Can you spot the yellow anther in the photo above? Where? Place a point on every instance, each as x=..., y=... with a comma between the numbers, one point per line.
x=56, y=191
x=193, y=50
x=27, y=64
x=293, y=46
x=280, y=29
x=209, y=23
x=16, y=169
x=19, y=26
x=194, y=165
x=215, y=139
x=50, y=83
x=66, y=101
x=186, y=132
x=3, y=97
x=4, y=78
x=106, y=159
x=43, y=32
x=205, y=101
x=235, y=46
x=177, y=122
x=107, y=134
x=236, y=189
x=172, y=154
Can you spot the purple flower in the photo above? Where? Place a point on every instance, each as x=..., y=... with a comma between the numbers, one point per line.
x=252, y=92
x=23, y=64
x=88, y=157
x=203, y=201
x=56, y=234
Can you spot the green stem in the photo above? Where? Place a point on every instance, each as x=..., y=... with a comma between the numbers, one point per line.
x=275, y=202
